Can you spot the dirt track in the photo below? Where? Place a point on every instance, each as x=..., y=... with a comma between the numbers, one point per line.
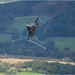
x=72, y=63
x=13, y=61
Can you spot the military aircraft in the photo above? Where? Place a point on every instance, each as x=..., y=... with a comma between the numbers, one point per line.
x=32, y=28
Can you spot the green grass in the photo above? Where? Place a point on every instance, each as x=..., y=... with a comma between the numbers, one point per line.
x=5, y=37
x=60, y=42
x=29, y=73
x=1, y=74
x=66, y=42
x=20, y=22
x=63, y=42
x=25, y=73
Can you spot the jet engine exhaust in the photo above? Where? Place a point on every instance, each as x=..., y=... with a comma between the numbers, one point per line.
x=37, y=44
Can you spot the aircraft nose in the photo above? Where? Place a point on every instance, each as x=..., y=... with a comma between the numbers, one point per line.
x=27, y=25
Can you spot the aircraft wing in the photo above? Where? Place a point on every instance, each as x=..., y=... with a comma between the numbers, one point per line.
x=33, y=32
x=37, y=24
x=30, y=34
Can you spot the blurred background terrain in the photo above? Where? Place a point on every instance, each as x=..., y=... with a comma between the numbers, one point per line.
x=57, y=35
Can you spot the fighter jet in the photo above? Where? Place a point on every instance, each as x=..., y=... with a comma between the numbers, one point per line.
x=32, y=28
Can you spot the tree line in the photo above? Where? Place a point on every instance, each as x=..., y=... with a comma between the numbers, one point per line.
x=38, y=67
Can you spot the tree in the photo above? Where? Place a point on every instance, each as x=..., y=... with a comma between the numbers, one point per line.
x=19, y=65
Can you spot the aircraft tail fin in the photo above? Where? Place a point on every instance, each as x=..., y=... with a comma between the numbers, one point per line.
x=36, y=20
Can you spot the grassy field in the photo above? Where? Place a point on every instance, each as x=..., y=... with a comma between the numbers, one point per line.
x=1, y=74
x=26, y=73
x=4, y=37
x=60, y=42
x=63, y=42
x=29, y=73
x=20, y=22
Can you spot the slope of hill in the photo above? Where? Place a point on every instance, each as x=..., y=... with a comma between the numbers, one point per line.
x=13, y=17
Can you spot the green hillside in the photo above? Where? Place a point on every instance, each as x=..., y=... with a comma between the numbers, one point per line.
x=5, y=37
x=19, y=24
x=63, y=42
x=20, y=42
x=56, y=30
x=54, y=37
x=60, y=42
